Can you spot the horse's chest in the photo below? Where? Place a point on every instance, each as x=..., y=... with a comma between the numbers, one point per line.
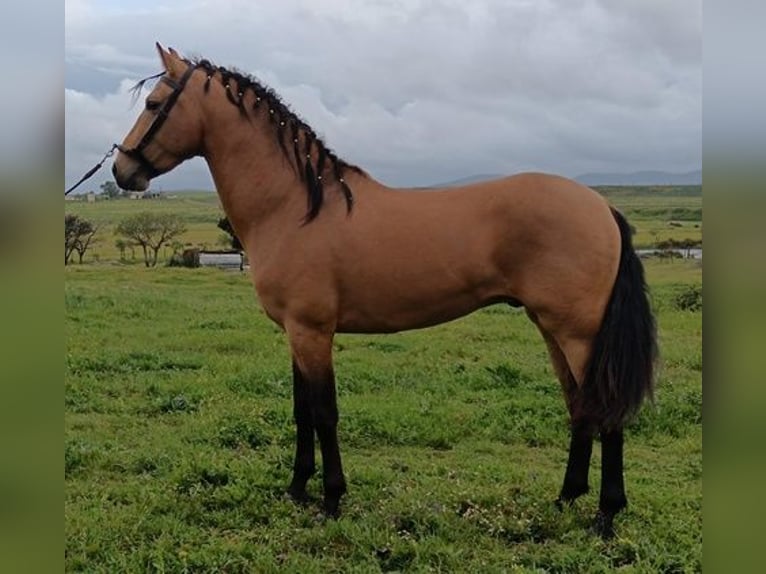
x=302, y=297
x=271, y=295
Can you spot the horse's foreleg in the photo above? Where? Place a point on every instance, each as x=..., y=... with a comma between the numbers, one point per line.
x=304, y=465
x=612, y=498
x=325, y=411
x=312, y=355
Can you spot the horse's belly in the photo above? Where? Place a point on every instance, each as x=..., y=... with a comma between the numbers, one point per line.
x=354, y=322
x=389, y=313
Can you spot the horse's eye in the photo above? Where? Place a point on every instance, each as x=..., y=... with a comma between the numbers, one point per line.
x=151, y=105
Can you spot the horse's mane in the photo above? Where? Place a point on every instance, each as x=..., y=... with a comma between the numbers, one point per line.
x=289, y=130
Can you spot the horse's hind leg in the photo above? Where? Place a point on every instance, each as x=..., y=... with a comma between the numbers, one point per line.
x=612, y=498
x=578, y=465
x=581, y=430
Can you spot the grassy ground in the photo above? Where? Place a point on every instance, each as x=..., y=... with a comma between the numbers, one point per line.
x=660, y=213
x=179, y=440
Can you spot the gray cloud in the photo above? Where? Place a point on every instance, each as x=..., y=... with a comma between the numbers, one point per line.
x=421, y=91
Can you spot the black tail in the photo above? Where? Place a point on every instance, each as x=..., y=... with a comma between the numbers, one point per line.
x=621, y=369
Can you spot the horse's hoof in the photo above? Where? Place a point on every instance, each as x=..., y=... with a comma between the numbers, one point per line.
x=299, y=496
x=332, y=508
x=603, y=525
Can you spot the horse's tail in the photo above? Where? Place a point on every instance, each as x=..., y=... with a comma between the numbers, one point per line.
x=620, y=373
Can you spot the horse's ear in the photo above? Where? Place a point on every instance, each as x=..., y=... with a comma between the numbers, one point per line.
x=164, y=56
x=170, y=61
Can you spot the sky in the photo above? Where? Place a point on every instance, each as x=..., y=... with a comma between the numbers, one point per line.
x=416, y=92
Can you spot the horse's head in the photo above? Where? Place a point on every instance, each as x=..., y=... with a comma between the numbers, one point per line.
x=168, y=131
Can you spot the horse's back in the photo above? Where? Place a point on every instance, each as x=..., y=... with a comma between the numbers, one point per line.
x=533, y=227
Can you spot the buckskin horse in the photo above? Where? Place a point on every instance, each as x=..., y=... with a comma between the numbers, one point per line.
x=333, y=250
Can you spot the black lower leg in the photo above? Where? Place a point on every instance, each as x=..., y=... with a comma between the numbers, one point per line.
x=304, y=465
x=325, y=411
x=612, y=498
x=580, y=449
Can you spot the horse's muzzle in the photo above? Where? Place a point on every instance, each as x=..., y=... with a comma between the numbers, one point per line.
x=134, y=180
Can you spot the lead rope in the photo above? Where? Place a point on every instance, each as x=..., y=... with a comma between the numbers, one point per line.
x=94, y=169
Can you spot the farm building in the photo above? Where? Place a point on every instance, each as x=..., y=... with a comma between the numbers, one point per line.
x=222, y=259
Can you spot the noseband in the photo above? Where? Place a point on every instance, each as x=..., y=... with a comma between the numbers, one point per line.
x=137, y=152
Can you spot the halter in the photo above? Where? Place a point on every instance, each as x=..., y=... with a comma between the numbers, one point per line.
x=137, y=153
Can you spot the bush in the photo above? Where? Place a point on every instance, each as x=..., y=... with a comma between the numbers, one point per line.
x=189, y=258
x=689, y=299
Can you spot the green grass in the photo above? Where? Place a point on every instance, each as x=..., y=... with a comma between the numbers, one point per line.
x=659, y=213
x=179, y=440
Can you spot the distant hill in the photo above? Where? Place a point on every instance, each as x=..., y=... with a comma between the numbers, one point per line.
x=468, y=180
x=642, y=178
x=649, y=177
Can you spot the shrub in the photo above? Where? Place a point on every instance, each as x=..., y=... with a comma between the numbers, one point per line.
x=689, y=299
x=188, y=258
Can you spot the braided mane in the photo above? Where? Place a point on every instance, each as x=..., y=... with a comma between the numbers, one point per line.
x=313, y=161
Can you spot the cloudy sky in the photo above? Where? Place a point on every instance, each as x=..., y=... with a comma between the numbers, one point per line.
x=416, y=91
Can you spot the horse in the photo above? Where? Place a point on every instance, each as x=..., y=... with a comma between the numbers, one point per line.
x=332, y=250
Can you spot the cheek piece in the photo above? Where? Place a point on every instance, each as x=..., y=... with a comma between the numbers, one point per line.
x=137, y=152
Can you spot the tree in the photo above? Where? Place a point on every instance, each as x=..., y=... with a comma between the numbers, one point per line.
x=224, y=224
x=82, y=245
x=71, y=224
x=177, y=247
x=78, y=235
x=110, y=189
x=122, y=245
x=151, y=231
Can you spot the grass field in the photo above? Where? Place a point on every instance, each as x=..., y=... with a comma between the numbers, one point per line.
x=660, y=213
x=179, y=440
x=200, y=211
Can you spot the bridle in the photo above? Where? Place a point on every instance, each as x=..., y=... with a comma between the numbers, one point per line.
x=137, y=152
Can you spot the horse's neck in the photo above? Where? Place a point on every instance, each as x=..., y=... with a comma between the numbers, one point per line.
x=259, y=188
x=255, y=183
